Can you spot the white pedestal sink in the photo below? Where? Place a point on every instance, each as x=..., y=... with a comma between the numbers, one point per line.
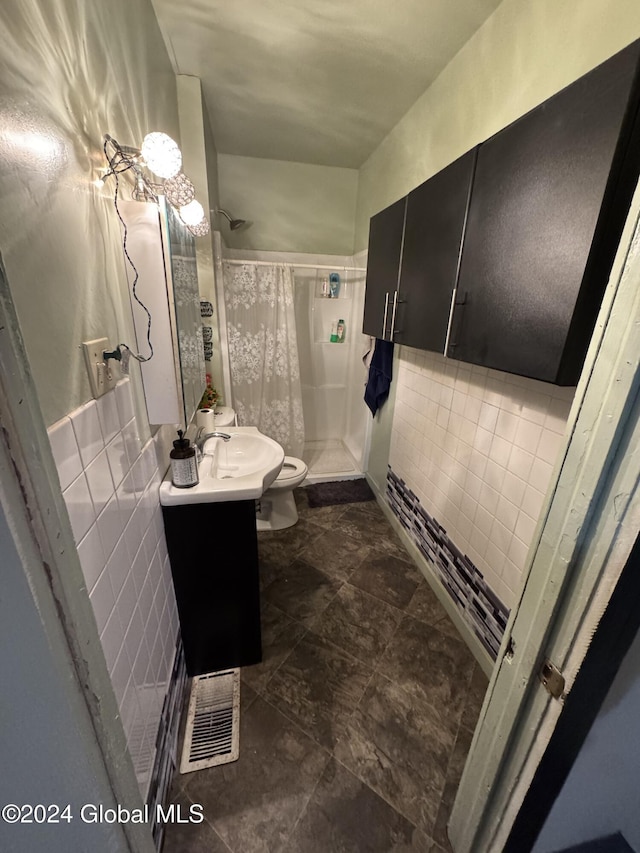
x=241, y=468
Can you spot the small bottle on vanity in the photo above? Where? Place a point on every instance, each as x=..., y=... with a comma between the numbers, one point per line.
x=184, y=464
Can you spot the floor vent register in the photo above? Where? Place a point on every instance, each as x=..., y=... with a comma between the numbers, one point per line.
x=212, y=736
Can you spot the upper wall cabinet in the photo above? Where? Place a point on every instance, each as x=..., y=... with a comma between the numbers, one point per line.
x=414, y=254
x=503, y=257
x=383, y=266
x=549, y=200
x=431, y=252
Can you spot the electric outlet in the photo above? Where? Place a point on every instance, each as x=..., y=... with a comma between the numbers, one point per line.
x=103, y=375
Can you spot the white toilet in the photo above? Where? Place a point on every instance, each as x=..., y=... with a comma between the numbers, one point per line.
x=276, y=509
x=224, y=416
x=213, y=419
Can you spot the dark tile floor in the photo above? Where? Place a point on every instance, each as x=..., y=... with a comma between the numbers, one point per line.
x=355, y=728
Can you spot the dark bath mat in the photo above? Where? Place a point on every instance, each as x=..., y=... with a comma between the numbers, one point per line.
x=342, y=492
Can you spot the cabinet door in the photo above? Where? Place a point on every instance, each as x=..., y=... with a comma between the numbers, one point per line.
x=436, y=213
x=383, y=267
x=216, y=583
x=546, y=212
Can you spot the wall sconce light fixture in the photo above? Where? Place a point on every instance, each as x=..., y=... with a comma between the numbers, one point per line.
x=158, y=156
x=156, y=170
x=161, y=154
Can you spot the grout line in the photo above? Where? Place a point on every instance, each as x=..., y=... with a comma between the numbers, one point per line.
x=291, y=650
x=303, y=810
x=392, y=763
x=298, y=725
x=211, y=825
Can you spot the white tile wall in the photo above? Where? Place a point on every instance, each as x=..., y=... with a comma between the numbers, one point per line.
x=478, y=447
x=110, y=485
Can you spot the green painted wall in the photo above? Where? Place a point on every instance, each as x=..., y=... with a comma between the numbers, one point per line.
x=292, y=207
x=71, y=71
x=524, y=53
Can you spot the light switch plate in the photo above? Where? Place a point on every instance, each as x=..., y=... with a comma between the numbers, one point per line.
x=102, y=375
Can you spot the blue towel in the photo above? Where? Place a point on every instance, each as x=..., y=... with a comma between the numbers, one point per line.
x=380, y=375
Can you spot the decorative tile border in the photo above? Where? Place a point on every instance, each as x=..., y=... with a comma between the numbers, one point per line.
x=166, y=758
x=486, y=614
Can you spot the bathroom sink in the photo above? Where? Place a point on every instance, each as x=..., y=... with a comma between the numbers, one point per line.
x=241, y=468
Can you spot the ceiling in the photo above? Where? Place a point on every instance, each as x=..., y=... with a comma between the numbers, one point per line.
x=313, y=81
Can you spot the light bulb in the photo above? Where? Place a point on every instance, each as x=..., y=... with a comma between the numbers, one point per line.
x=179, y=190
x=161, y=154
x=192, y=213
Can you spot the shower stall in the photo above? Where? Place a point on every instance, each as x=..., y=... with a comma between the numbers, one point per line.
x=337, y=422
x=332, y=372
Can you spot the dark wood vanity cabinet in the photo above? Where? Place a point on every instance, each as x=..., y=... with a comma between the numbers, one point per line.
x=383, y=267
x=434, y=225
x=213, y=550
x=538, y=232
x=550, y=197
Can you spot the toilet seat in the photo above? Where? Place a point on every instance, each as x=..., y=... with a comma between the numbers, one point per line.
x=292, y=473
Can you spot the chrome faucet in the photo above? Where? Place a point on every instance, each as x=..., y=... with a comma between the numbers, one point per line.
x=200, y=438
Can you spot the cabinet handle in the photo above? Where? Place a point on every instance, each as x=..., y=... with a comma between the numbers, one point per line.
x=454, y=301
x=396, y=302
x=386, y=311
x=450, y=323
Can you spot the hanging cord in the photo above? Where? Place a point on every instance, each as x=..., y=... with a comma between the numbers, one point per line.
x=122, y=162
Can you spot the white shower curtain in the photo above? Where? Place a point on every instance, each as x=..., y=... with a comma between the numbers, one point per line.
x=263, y=351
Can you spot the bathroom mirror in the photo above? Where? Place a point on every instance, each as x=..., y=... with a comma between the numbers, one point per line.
x=182, y=277
x=166, y=289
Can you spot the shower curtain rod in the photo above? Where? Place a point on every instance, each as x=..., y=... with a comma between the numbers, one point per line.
x=293, y=266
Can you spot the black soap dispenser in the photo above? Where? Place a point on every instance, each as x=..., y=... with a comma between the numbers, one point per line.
x=184, y=465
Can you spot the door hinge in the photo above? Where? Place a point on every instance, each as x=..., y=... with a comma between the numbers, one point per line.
x=552, y=679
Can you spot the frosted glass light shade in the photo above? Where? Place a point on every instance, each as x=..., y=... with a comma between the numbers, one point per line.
x=179, y=190
x=161, y=154
x=192, y=213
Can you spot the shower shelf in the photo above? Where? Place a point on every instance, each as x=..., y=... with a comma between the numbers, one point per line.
x=332, y=298
x=325, y=312
x=343, y=294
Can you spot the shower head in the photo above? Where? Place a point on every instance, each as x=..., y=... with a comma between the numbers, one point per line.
x=234, y=224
